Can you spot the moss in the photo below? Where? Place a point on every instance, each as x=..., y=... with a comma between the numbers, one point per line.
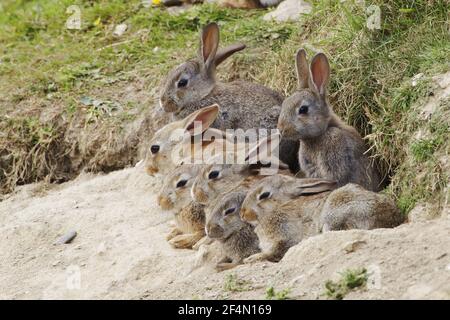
x=271, y=294
x=350, y=280
x=233, y=284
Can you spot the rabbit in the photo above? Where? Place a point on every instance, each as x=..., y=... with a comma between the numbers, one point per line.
x=247, y=4
x=329, y=148
x=281, y=215
x=241, y=4
x=179, y=142
x=223, y=223
x=221, y=177
x=246, y=105
x=353, y=207
x=189, y=215
x=168, y=144
x=286, y=210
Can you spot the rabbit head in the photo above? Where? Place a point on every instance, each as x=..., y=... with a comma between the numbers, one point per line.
x=219, y=176
x=306, y=113
x=271, y=192
x=193, y=80
x=174, y=194
x=167, y=141
x=222, y=218
x=215, y=179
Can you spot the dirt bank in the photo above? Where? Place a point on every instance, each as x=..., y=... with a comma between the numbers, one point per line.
x=120, y=251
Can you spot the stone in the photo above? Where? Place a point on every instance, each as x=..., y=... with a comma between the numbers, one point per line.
x=289, y=10
x=353, y=246
x=120, y=29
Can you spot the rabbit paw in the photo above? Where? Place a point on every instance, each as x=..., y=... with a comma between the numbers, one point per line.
x=184, y=241
x=203, y=241
x=173, y=233
x=255, y=258
x=225, y=266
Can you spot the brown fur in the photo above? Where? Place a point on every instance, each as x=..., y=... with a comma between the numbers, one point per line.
x=189, y=215
x=300, y=208
x=243, y=104
x=190, y=227
x=329, y=148
x=353, y=207
x=238, y=238
x=241, y=4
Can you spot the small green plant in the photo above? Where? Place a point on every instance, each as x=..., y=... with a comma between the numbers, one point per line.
x=423, y=149
x=271, y=294
x=234, y=284
x=406, y=203
x=350, y=279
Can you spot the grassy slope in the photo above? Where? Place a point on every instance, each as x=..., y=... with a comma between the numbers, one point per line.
x=46, y=69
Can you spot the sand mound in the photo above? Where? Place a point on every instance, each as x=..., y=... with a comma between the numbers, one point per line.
x=120, y=251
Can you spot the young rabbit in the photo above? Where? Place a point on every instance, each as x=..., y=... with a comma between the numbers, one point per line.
x=193, y=85
x=218, y=177
x=286, y=210
x=237, y=238
x=189, y=215
x=329, y=148
x=353, y=207
x=167, y=145
x=282, y=213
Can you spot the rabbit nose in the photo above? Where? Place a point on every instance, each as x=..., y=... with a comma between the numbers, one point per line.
x=247, y=215
x=151, y=170
x=168, y=104
x=164, y=202
x=200, y=195
x=213, y=231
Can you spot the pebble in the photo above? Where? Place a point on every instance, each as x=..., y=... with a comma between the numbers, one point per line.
x=353, y=246
x=289, y=10
x=67, y=238
x=120, y=29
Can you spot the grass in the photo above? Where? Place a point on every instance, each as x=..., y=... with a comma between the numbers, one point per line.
x=271, y=294
x=45, y=71
x=350, y=280
x=233, y=284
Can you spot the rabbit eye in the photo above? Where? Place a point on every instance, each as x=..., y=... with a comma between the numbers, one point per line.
x=303, y=110
x=213, y=175
x=181, y=183
x=229, y=211
x=154, y=148
x=182, y=83
x=264, y=195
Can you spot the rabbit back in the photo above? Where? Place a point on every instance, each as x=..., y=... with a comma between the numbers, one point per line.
x=242, y=104
x=353, y=207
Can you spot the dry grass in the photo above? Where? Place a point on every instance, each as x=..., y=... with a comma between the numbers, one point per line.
x=370, y=88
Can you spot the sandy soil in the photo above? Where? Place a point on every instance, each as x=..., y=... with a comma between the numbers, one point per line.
x=120, y=251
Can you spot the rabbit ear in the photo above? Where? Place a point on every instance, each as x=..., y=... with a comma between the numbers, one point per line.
x=302, y=69
x=224, y=53
x=262, y=149
x=206, y=116
x=320, y=73
x=209, y=45
x=313, y=186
